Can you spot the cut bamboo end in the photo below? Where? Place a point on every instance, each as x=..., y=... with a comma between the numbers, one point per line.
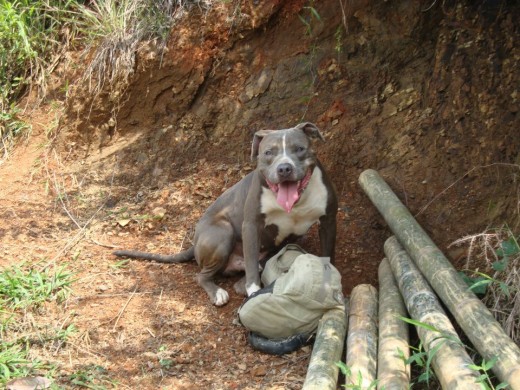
x=450, y=360
x=393, y=348
x=326, y=353
x=471, y=314
x=361, y=358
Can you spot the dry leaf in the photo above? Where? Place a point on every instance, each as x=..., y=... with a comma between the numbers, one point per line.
x=123, y=222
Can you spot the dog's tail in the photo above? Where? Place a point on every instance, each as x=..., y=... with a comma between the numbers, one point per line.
x=181, y=257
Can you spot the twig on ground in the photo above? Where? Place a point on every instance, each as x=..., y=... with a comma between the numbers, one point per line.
x=124, y=308
x=159, y=300
x=459, y=179
x=82, y=229
x=103, y=245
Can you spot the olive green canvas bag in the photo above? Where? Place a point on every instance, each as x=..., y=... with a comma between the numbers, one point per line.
x=299, y=289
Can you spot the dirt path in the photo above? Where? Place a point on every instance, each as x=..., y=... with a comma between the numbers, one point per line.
x=139, y=325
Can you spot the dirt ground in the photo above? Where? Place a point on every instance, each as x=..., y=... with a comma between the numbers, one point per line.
x=429, y=97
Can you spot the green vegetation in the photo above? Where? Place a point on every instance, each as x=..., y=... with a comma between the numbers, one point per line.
x=35, y=34
x=422, y=359
x=22, y=291
x=358, y=381
x=22, y=287
x=92, y=377
x=113, y=30
x=492, y=272
x=485, y=377
x=14, y=362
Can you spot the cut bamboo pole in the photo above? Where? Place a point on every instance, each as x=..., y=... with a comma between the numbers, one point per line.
x=393, y=347
x=474, y=318
x=450, y=361
x=361, y=359
x=326, y=353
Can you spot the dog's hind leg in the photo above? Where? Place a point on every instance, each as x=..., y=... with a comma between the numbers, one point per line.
x=212, y=251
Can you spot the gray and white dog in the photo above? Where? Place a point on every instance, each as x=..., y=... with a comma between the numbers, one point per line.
x=276, y=203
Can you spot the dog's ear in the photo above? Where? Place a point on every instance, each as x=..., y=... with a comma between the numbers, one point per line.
x=257, y=138
x=310, y=130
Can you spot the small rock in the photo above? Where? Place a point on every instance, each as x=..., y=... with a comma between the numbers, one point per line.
x=258, y=371
x=29, y=383
x=159, y=212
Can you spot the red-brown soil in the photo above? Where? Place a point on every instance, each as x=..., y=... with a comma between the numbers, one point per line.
x=429, y=97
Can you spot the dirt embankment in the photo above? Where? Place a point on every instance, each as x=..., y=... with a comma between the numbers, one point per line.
x=425, y=93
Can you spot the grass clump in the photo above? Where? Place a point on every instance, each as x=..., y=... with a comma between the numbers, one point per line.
x=358, y=382
x=33, y=34
x=493, y=272
x=113, y=31
x=92, y=377
x=15, y=362
x=22, y=287
x=23, y=290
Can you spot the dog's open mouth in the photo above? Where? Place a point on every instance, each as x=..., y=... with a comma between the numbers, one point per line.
x=289, y=192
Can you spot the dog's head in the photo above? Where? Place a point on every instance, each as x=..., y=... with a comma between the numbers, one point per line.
x=286, y=160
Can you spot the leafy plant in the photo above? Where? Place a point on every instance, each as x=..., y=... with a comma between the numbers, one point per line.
x=10, y=128
x=346, y=370
x=22, y=290
x=477, y=284
x=338, y=36
x=119, y=264
x=419, y=356
x=485, y=378
x=307, y=20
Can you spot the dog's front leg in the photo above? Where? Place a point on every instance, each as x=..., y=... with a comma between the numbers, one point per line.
x=327, y=233
x=251, y=237
x=251, y=242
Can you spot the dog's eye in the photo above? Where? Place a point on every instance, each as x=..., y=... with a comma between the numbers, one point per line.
x=268, y=152
x=300, y=149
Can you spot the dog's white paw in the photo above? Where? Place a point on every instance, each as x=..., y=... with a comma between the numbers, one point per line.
x=252, y=289
x=221, y=297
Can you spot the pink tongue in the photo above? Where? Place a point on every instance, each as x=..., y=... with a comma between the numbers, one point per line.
x=287, y=195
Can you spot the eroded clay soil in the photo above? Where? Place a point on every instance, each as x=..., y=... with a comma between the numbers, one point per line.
x=429, y=97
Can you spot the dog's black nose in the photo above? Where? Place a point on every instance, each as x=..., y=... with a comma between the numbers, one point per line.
x=284, y=170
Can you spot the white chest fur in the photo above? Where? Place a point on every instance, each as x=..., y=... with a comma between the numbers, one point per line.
x=307, y=211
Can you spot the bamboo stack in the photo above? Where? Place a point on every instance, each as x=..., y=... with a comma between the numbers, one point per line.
x=471, y=314
x=414, y=264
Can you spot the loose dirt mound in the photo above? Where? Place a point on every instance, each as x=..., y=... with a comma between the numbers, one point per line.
x=429, y=97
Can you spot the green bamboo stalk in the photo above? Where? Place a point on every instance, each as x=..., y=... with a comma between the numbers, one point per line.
x=328, y=347
x=361, y=359
x=450, y=361
x=474, y=318
x=392, y=371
